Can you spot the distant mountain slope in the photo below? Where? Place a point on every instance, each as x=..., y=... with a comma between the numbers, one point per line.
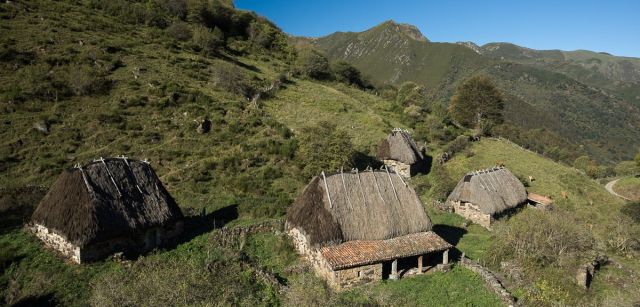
x=585, y=97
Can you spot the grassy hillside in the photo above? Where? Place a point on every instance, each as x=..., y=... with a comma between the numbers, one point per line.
x=628, y=187
x=588, y=204
x=578, y=102
x=81, y=80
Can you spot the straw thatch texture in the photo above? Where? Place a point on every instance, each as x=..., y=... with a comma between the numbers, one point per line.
x=399, y=146
x=95, y=210
x=492, y=190
x=371, y=205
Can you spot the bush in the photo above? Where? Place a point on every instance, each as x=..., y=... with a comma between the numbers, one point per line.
x=346, y=73
x=312, y=64
x=179, y=31
x=208, y=40
x=323, y=148
x=229, y=77
x=442, y=184
x=538, y=238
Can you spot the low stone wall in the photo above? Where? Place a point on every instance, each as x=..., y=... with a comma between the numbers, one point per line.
x=348, y=278
x=471, y=212
x=490, y=279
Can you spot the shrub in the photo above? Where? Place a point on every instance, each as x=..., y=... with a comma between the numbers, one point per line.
x=179, y=31
x=442, y=183
x=208, y=40
x=312, y=64
x=346, y=73
x=229, y=77
x=323, y=148
x=85, y=80
x=538, y=238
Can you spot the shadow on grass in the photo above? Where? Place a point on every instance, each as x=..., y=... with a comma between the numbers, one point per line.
x=452, y=235
x=196, y=225
x=37, y=301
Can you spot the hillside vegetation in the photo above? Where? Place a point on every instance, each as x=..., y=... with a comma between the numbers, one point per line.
x=81, y=80
x=573, y=97
x=85, y=79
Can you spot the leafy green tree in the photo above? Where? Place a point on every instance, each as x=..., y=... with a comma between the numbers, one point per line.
x=324, y=148
x=346, y=73
x=312, y=64
x=477, y=104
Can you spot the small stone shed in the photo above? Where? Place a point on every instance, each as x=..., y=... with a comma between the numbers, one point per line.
x=357, y=228
x=482, y=195
x=400, y=153
x=540, y=201
x=107, y=206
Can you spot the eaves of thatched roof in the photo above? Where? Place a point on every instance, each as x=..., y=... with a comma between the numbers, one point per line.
x=106, y=199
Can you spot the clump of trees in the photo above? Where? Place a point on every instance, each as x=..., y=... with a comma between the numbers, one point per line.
x=477, y=104
x=312, y=64
x=323, y=147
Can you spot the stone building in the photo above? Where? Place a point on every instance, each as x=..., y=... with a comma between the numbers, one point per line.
x=540, y=201
x=357, y=228
x=482, y=195
x=107, y=206
x=401, y=154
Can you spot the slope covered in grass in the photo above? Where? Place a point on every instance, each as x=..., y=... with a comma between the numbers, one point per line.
x=628, y=187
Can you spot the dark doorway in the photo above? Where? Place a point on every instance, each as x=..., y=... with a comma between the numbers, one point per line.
x=386, y=269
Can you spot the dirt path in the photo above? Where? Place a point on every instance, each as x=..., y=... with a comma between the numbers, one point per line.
x=609, y=187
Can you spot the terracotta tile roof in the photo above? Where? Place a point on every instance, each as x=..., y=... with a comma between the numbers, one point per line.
x=540, y=199
x=360, y=252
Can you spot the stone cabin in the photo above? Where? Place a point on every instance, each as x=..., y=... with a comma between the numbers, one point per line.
x=361, y=227
x=107, y=206
x=401, y=154
x=482, y=195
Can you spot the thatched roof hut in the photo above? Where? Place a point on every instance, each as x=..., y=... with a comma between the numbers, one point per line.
x=370, y=205
x=400, y=146
x=492, y=190
x=106, y=199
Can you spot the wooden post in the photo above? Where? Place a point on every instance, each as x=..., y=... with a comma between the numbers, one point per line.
x=394, y=270
x=420, y=264
x=445, y=257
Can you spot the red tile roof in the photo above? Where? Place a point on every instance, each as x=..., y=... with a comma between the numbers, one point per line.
x=540, y=199
x=360, y=252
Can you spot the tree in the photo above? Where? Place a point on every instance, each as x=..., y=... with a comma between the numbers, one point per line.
x=346, y=73
x=324, y=148
x=477, y=104
x=312, y=64
x=208, y=40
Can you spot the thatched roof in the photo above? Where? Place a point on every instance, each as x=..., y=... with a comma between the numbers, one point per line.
x=358, y=253
x=492, y=190
x=399, y=146
x=106, y=199
x=370, y=205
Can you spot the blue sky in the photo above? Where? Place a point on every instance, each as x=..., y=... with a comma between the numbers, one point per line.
x=612, y=26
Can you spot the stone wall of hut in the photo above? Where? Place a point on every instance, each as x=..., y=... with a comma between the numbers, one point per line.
x=57, y=242
x=339, y=279
x=139, y=243
x=404, y=170
x=471, y=212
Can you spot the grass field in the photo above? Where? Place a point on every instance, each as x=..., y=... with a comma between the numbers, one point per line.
x=628, y=187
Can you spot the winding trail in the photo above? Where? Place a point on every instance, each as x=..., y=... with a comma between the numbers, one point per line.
x=609, y=187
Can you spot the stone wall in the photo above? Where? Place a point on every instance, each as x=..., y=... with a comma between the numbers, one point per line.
x=490, y=279
x=402, y=169
x=352, y=277
x=135, y=244
x=57, y=242
x=472, y=213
